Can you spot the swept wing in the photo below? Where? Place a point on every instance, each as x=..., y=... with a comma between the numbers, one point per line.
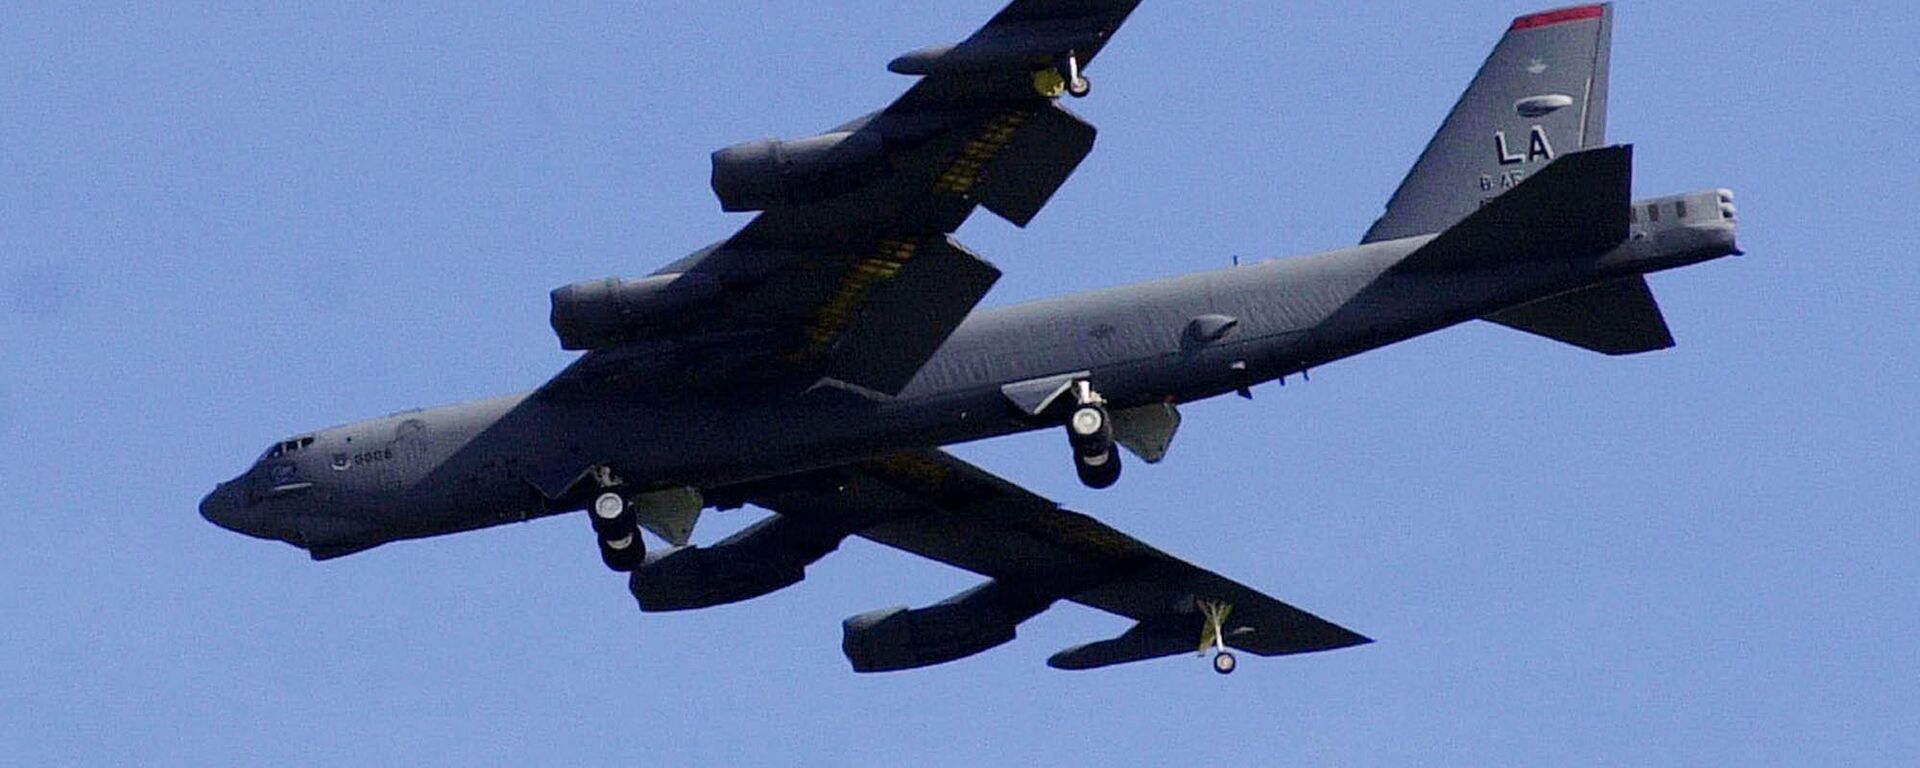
x=934, y=505
x=850, y=272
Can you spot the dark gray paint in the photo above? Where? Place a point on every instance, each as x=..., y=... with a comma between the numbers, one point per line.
x=726, y=417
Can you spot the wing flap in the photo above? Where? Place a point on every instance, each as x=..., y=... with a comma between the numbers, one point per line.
x=1020, y=180
x=880, y=340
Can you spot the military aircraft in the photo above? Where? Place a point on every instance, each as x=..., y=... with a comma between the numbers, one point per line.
x=814, y=363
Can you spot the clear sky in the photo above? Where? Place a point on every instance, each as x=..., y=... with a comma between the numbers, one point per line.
x=220, y=226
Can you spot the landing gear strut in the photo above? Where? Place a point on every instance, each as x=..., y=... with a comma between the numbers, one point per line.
x=1078, y=86
x=615, y=525
x=1090, y=433
x=1213, y=636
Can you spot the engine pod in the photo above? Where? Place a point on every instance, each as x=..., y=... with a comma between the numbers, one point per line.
x=893, y=639
x=765, y=557
x=599, y=313
x=759, y=175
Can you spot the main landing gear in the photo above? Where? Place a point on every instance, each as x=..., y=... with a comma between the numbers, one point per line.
x=1213, y=636
x=615, y=524
x=1090, y=433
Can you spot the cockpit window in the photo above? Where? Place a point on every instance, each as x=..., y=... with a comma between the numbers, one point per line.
x=288, y=447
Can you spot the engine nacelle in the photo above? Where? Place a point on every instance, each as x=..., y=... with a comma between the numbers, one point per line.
x=770, y=555
x=759, y=175
x=899, y=638
x=600, y=313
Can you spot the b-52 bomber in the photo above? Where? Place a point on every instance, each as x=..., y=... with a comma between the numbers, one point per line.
x=814, y=363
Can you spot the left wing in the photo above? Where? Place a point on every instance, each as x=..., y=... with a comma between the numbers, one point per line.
x=937, y=506
x=849, y=272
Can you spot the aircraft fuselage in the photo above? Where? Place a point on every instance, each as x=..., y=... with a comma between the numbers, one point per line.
x=456, y=468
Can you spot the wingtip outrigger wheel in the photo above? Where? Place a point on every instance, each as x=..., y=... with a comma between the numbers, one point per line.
x=1213, y=635
x=1077, y=84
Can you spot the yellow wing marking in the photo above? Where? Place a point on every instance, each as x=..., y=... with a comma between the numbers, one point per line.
x=859, y=281
x=965, y=171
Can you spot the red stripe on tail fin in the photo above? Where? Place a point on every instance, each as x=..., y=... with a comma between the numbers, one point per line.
x=1561, y=16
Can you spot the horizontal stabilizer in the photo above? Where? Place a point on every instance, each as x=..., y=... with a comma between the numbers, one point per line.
x=1616, y=318
x=1578, y=205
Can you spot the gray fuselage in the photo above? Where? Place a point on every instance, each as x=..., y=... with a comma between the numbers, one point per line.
x=462, y=467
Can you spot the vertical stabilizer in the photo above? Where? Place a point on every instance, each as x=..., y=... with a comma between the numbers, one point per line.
x=1542, y=94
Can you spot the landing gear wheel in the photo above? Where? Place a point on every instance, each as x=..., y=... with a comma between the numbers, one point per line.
x=1076, y=82
x=608, y=506
x=1090, y=434
x=624, y=554
x=1088, y=421
x=1224, y=663
x=1098, y=472
x=620, y=545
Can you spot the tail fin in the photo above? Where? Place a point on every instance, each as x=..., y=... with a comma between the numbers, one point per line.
x=1541, y=94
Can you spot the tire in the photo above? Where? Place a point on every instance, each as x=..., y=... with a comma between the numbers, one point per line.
x=608, y=506
x=623, y=560
x=1224, y=662
x=1088, y=421
x=1099, y=476
x=1090, y=432
x=1079, y=88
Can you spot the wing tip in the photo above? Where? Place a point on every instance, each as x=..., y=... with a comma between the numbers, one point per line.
x=1334, y=638
x=1312, y=635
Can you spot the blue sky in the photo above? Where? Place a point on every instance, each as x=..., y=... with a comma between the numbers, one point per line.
x=223, y=225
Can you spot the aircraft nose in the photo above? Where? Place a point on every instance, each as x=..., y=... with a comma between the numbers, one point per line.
x=223, y=508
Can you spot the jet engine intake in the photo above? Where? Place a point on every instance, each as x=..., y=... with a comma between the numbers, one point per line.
x=765, y=557
x=763, y=174
x=600, y=313
x=893, y=639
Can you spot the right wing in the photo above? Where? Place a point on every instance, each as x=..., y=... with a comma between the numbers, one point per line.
x=934, y=505
x=852, y=275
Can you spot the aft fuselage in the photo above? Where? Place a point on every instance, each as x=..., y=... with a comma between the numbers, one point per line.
x=462, y=467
